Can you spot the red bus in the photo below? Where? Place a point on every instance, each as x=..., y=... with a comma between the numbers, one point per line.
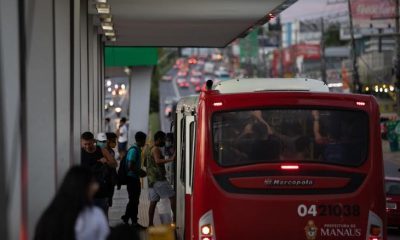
x=278, y=159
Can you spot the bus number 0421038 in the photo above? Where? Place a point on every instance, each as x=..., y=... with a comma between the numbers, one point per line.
x=328, y=210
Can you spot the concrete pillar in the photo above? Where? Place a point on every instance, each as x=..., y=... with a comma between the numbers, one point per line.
x=94, y=77
x=40, y=109
x=63, y=86
x=10, y=140
x=139, y=100
x=90, y=67
x=100, y=71
x=84, y=89
x=76, y=104
x=100, y=64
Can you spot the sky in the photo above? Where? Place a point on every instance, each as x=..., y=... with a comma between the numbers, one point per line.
x=306, y=9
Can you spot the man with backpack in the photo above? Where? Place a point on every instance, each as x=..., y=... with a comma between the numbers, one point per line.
x=133, y=173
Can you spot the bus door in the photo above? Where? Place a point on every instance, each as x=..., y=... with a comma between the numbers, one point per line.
x=180, y=187
x=185, y=148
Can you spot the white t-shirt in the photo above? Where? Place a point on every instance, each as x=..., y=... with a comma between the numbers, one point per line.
x=91, y=224
x=123, y=134
x=108, y=127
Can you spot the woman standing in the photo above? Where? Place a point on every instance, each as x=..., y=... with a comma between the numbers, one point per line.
x=71, y=214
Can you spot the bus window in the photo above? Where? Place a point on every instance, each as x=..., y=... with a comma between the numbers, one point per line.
x=183, y=152
x=302, y=135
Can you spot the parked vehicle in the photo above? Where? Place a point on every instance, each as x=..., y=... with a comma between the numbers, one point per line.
x=392, y=186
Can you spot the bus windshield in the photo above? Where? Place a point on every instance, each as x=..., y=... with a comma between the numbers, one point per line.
x=328, y=136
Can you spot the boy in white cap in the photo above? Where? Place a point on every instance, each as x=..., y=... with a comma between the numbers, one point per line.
x=101, y=140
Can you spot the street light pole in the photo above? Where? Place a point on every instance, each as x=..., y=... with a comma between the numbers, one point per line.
x=356, y=76
x=397, y=61
x=322, y=49
x=281, y=68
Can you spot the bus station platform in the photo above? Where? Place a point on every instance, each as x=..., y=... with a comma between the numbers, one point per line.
x=120, y=201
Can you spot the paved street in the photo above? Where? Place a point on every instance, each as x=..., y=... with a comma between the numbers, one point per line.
x=118, y=209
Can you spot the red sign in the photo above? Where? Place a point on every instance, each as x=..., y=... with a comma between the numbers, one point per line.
x=308, y=51
x=276, y=63
x=366, y=12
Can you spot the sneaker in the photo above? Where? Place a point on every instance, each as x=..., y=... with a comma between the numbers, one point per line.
x=137, y=225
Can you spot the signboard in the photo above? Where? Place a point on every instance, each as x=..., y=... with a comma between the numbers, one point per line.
x=130, y=56
x=333, y=76
x=366, y=12
x=249, y=48
x=308, y=51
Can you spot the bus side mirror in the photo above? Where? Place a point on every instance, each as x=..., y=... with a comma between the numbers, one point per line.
x=209, y=84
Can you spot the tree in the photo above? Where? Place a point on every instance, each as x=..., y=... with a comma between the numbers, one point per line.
x=332, y=36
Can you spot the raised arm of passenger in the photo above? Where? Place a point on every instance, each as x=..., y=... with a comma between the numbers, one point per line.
x=110, y=160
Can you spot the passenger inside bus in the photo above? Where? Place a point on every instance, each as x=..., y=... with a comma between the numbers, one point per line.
x=257, y=139
x=246, y=137
x=339, y=137
x=327, y=136
x=286, y=143
x=274, y=135
x=225, y=132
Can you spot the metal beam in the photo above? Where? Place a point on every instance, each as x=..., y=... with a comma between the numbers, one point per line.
x=3, y=162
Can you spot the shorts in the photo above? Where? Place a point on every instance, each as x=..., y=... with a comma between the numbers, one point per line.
x=122, y=146
x=160, y=189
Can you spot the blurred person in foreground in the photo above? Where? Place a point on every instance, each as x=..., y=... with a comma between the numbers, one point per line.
x=71, y=214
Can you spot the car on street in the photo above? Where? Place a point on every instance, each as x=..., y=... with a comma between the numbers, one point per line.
x=195, y=81
x=196, y=73
x=197, y=89
x=222, y=75
x=167, y=78
x=182, y=73
x=209, y=67
x=392, y=187
x=182, y=82
x=170, y=100
x=168, y=110
x=192, y=60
